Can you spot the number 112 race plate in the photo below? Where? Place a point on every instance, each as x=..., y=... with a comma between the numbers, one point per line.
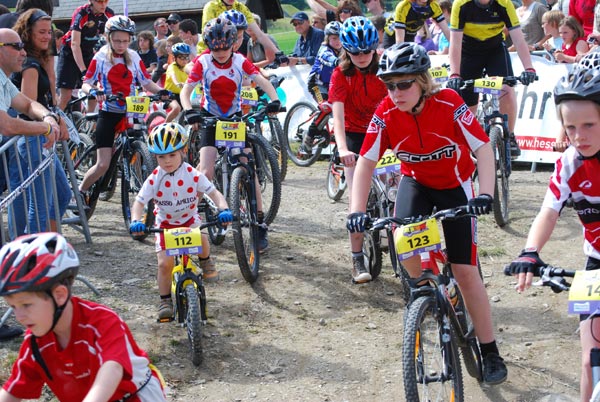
x=180, y=241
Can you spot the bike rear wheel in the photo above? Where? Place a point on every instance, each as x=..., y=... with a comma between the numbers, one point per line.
x=269, y=177
x=216, y=234
x=193, y=322
x=501, y=191
x=271, y=130
x=431, y=368
x=112, y=187
x=336, y=183
x=371, y=246
x=295, y=128
x=245, y=228
x=136, y=168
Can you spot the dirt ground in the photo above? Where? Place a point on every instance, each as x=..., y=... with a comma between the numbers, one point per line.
x=303, y=332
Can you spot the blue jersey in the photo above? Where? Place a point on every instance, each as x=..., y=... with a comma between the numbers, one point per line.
x=325, y=62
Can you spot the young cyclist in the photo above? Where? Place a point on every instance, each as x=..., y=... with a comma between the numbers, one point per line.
x=354, y=93
x=117, y=69
x=433, y=133
x=176, y=188
x=412, y=15
x=319, y=77
x=176, y=77
x=241, y=24
x=80, y=349
x=575, y=175
x=221, y=72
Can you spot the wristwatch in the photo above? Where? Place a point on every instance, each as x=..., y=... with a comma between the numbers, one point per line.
x=53, y=115
x=530, y=250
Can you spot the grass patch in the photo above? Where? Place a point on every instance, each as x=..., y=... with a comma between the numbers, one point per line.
x=492, y=251
x=286, y=41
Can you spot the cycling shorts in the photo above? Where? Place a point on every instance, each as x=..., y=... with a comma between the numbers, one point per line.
x=590, y=265
x=494, y=62
x=354, y=141
x=108, y=126
x=414, y=199
x=68, y=75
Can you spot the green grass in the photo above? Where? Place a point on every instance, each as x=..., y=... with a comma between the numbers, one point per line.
x=286, y=41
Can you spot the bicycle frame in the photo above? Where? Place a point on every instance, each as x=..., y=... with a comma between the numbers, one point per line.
x=186, y=271
x=490, y=108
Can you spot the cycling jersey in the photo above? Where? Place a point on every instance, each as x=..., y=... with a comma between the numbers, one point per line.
x=179, y=74
x=216, y=7
x=325, y=62
x=98, y=335
x=482, y=27
x=222, y=84
x=411, y=21
x=175, y=195
x=579, y=179
x=116, y=77
x=90, y=25
x=360, y=93
x=436, y=155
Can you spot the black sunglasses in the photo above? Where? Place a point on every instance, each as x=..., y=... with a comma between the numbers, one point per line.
x=400, y=85
x=14, y=45
x=346, y=11
x=359, y=52
x=172, y=22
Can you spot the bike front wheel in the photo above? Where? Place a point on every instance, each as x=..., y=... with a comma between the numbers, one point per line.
x=432, y=370
x=137, y=166
x=295, y=128
x=245, y=228
x=271, y=129
x=269, y=176
x=336, y=181
x=501, y=191
x=193, y=322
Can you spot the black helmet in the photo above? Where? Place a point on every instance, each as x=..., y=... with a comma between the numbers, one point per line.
x=403, y=58
x=582, y=83
x=219, y=33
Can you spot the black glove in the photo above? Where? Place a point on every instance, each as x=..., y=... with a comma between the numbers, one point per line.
x=481, y=205
x=192, y=116
x=164, y=93
x=455, y=82
x=357, y=222
x=528, y=76
x=528, y=261
x=273, y=107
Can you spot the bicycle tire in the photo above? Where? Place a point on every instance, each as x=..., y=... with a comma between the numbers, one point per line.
x=371, y=245
x=275, y=137
x=193, y=322
x=245, y=229
x=295, y=127
x=269, y=176
x=335, y=186
x=193, y=148
x=501, y=190
x=421, y=346
x=112, y=187
x=76, y=151
x=216, y=234
x=136, y=168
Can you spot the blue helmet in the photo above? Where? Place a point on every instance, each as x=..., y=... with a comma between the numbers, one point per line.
x=238, y=19
x=333, y=28
x=181, y=48
x=166, y=138
x=359, y=35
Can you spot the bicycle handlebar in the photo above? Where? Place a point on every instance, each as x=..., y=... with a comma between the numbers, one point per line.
x=450, y=213
x=551, y=276
x=510, y=80
x=202, y=226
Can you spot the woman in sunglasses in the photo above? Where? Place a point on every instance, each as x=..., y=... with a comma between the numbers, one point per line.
x=347, y=9
x=354, y=93
x=433, y=133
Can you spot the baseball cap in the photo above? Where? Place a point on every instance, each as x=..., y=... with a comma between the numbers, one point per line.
x=174, y=17
x=300, y=16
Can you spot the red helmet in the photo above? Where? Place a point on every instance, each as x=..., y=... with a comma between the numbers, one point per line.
x=36, y=262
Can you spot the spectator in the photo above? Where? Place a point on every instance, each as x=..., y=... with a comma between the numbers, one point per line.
x=309, y=42
x=574, y=44
x=238, y=19
x=530, y=18
x=161, y=28
x=58, y=35
x=562, y=6
x=347, y=9
x=256, y=51
x=188, y=31
x=437, y=35
x=596, y=33
x=550, y=22
x=376, y=7
x=424, y=39
x=173, y=22
x=171, y=40
x=411, y=15
x=146, y=50
x=3, y=10
x=379, y=23
x=8, y=20
x=34, y=27
x=316, y=21
x=327, y=10
x=583, y=12
x=162, y=62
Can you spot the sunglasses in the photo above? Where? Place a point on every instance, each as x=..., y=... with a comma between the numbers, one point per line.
x=400, y=85
x=14, y=45
x=183, y=57
x=296, y=23
x=345, y=11
x=366, y=1
x=172, y=22
x=359, y=52
x=101, y=1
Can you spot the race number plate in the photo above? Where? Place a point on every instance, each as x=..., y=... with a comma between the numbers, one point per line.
x=137, y=106
x=387, y=164
x=418, y=238
x=180, y=241
x=490, y=85
x=439, y=74
x=230, y=134
x=249, y=96
x=584, y=295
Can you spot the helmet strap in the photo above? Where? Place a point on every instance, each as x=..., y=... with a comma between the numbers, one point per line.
x=58, y=310
x=595, y=156
x=418, y=104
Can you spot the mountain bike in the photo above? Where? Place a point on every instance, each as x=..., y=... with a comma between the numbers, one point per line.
x=131, y=159
x=187, y=287
x=496, y=127
x=437, y=323
x=336, y=177
x=295, y=127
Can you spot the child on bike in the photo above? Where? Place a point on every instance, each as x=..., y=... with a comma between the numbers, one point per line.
x=80, y=349
x=318, y=81
x=176, y=188
x=221, y=72
x=176, y=77
x=432, y=133
x=117, y=70
x=576, y=175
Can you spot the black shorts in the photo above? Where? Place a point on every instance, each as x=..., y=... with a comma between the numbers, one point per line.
x=414, y=199
x=354, y=141
x=106, y=128
x=68, y=74
x=207, y=133
x=590, y=265
x=494, y=62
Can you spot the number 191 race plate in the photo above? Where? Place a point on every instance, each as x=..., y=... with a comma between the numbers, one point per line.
x=180, y=241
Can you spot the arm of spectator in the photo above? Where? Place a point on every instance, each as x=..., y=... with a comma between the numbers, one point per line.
x=400, y=33
x=444, y=27
x=76, y=49
x=320, y=7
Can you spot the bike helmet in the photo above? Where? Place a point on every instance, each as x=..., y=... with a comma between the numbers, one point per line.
x=237, y=18
x=166, y=138
x=36, y=262
x=119, y=23
x=403, y=58
x=359, y=35
x=219, y=33
x=181, y=48
x=582, y=82
x=333, y=28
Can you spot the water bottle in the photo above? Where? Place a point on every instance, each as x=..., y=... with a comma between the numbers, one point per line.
x=452, y=294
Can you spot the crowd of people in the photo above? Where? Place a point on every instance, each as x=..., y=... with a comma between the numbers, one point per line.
x=370, y=74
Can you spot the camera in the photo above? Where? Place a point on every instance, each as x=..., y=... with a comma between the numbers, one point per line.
x=592, y=41
x=281, y=58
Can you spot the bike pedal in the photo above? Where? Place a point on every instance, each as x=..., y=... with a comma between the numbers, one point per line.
x=162, y=320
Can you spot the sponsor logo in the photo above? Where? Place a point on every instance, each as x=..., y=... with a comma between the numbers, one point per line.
x=461, y=109
x=586, y=184
x=467, y=117
x=445, y=152
x=415, y=229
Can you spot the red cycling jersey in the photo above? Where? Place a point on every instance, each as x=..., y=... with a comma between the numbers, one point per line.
x=360, y=93
x=578, y=178
x=435, y=146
